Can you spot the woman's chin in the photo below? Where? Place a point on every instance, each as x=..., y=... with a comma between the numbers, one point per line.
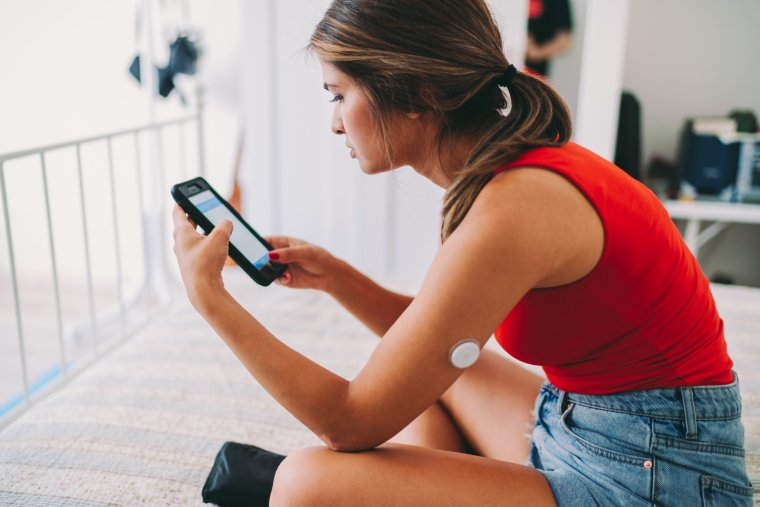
x=366, y=167
x=369, y=167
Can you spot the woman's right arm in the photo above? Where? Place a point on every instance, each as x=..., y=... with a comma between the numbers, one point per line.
x=312, y=267
x=377, y=307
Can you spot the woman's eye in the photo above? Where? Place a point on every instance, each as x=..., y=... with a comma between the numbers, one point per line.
x=337, y=98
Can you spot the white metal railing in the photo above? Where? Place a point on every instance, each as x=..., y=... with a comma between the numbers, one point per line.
x=155, y=280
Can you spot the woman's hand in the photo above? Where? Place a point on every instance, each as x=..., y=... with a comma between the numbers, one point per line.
x=309, y=266
x=200, y=258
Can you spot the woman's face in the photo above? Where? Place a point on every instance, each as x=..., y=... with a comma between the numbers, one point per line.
x=352, y=117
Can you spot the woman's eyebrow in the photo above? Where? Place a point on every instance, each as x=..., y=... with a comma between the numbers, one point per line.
x=328, y=86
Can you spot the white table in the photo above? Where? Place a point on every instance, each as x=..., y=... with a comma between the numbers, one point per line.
x=721, y=214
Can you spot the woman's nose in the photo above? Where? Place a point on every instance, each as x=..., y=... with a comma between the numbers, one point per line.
x=337, y=123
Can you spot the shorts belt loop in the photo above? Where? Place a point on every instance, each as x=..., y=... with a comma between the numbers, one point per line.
x=689, y=411
x=561, y=402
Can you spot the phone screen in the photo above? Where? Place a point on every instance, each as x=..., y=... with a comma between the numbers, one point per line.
x=213, y=209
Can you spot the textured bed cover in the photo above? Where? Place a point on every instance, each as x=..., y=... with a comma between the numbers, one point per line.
x=142, y=425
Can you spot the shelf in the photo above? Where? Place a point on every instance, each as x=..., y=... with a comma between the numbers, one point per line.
x=721, y=214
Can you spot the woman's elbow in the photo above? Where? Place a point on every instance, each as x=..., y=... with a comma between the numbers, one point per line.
x=350, y=443
x=355, y=438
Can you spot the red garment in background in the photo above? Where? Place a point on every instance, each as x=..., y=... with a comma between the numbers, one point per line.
x=643, y=318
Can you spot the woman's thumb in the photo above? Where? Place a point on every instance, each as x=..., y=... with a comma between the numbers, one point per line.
x=223, y=230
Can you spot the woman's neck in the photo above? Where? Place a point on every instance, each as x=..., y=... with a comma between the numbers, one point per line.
x=442, y=165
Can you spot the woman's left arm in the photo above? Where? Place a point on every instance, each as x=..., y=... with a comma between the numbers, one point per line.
x=517, y=234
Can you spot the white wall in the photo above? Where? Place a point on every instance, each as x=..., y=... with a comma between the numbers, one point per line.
x=64, y=76
x=601, y=76
x=689, y=58
x=589, y=77
x=696, y=58
x=565, y=70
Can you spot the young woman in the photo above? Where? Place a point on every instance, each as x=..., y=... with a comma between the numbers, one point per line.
x=568, y=261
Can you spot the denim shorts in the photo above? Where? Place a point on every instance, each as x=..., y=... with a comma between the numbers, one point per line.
x=681, y=446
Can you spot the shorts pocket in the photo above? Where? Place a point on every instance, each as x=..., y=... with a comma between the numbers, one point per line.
x=611, y=435
x=610, y=449
x=720, y=493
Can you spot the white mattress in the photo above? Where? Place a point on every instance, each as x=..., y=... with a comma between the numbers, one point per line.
x=142, y=426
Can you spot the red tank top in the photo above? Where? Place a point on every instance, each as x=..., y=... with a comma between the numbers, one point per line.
x=643, y=318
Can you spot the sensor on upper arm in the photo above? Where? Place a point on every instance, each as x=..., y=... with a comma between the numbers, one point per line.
x=464, y=354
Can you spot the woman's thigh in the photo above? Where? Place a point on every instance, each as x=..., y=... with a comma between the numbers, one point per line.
x=398, y=475
x=492, y=406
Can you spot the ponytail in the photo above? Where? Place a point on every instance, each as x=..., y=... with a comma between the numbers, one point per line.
x=538, y=117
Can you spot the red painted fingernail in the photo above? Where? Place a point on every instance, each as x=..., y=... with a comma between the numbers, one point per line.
x=274, y=256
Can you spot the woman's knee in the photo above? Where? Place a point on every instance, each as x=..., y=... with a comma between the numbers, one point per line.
x=300, y=478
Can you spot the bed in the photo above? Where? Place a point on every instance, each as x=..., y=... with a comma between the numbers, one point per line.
x=143, y=424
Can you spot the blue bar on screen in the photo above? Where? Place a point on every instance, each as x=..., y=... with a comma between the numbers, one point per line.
x=263, y=260
x=208, y=204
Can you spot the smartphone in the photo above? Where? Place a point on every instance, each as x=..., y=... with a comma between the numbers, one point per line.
x=207, y=208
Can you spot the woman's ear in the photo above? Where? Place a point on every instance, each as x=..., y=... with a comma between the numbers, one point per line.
x=424, y=99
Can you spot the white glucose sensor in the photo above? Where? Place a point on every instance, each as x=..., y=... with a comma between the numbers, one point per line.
x=464, y=354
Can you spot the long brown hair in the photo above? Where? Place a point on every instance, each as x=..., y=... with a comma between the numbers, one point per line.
x=442, y=57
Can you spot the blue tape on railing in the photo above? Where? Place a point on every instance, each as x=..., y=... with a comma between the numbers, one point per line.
x=40, y=382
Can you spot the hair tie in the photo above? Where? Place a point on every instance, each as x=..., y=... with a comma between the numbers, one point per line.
x=507, y=76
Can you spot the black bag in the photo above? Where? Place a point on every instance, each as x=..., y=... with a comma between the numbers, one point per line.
x=242, y=475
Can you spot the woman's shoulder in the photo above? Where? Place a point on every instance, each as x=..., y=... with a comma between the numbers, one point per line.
x=533, y=188
x=553, y=219
x=530, y=197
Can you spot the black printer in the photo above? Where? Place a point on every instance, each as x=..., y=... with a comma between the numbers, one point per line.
x=720, y=157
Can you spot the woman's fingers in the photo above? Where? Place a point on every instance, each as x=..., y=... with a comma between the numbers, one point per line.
x=293, y=254
x=279, y=241
x=221, y=235
x=180, y=218
x=183, y=229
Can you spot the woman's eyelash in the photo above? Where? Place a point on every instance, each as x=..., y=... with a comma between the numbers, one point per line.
x=337, y=98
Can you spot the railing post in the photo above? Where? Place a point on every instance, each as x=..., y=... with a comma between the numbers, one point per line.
x=53, y=265
x=88, y=264
x=182, y=145
x=14, y=284
x=201, y=145
x=116, y=242
x=143, y=214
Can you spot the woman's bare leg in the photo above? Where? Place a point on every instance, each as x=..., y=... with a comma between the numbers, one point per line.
x=433, y=429
x=398, y=475
x=492, y=406
x=489, y=408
